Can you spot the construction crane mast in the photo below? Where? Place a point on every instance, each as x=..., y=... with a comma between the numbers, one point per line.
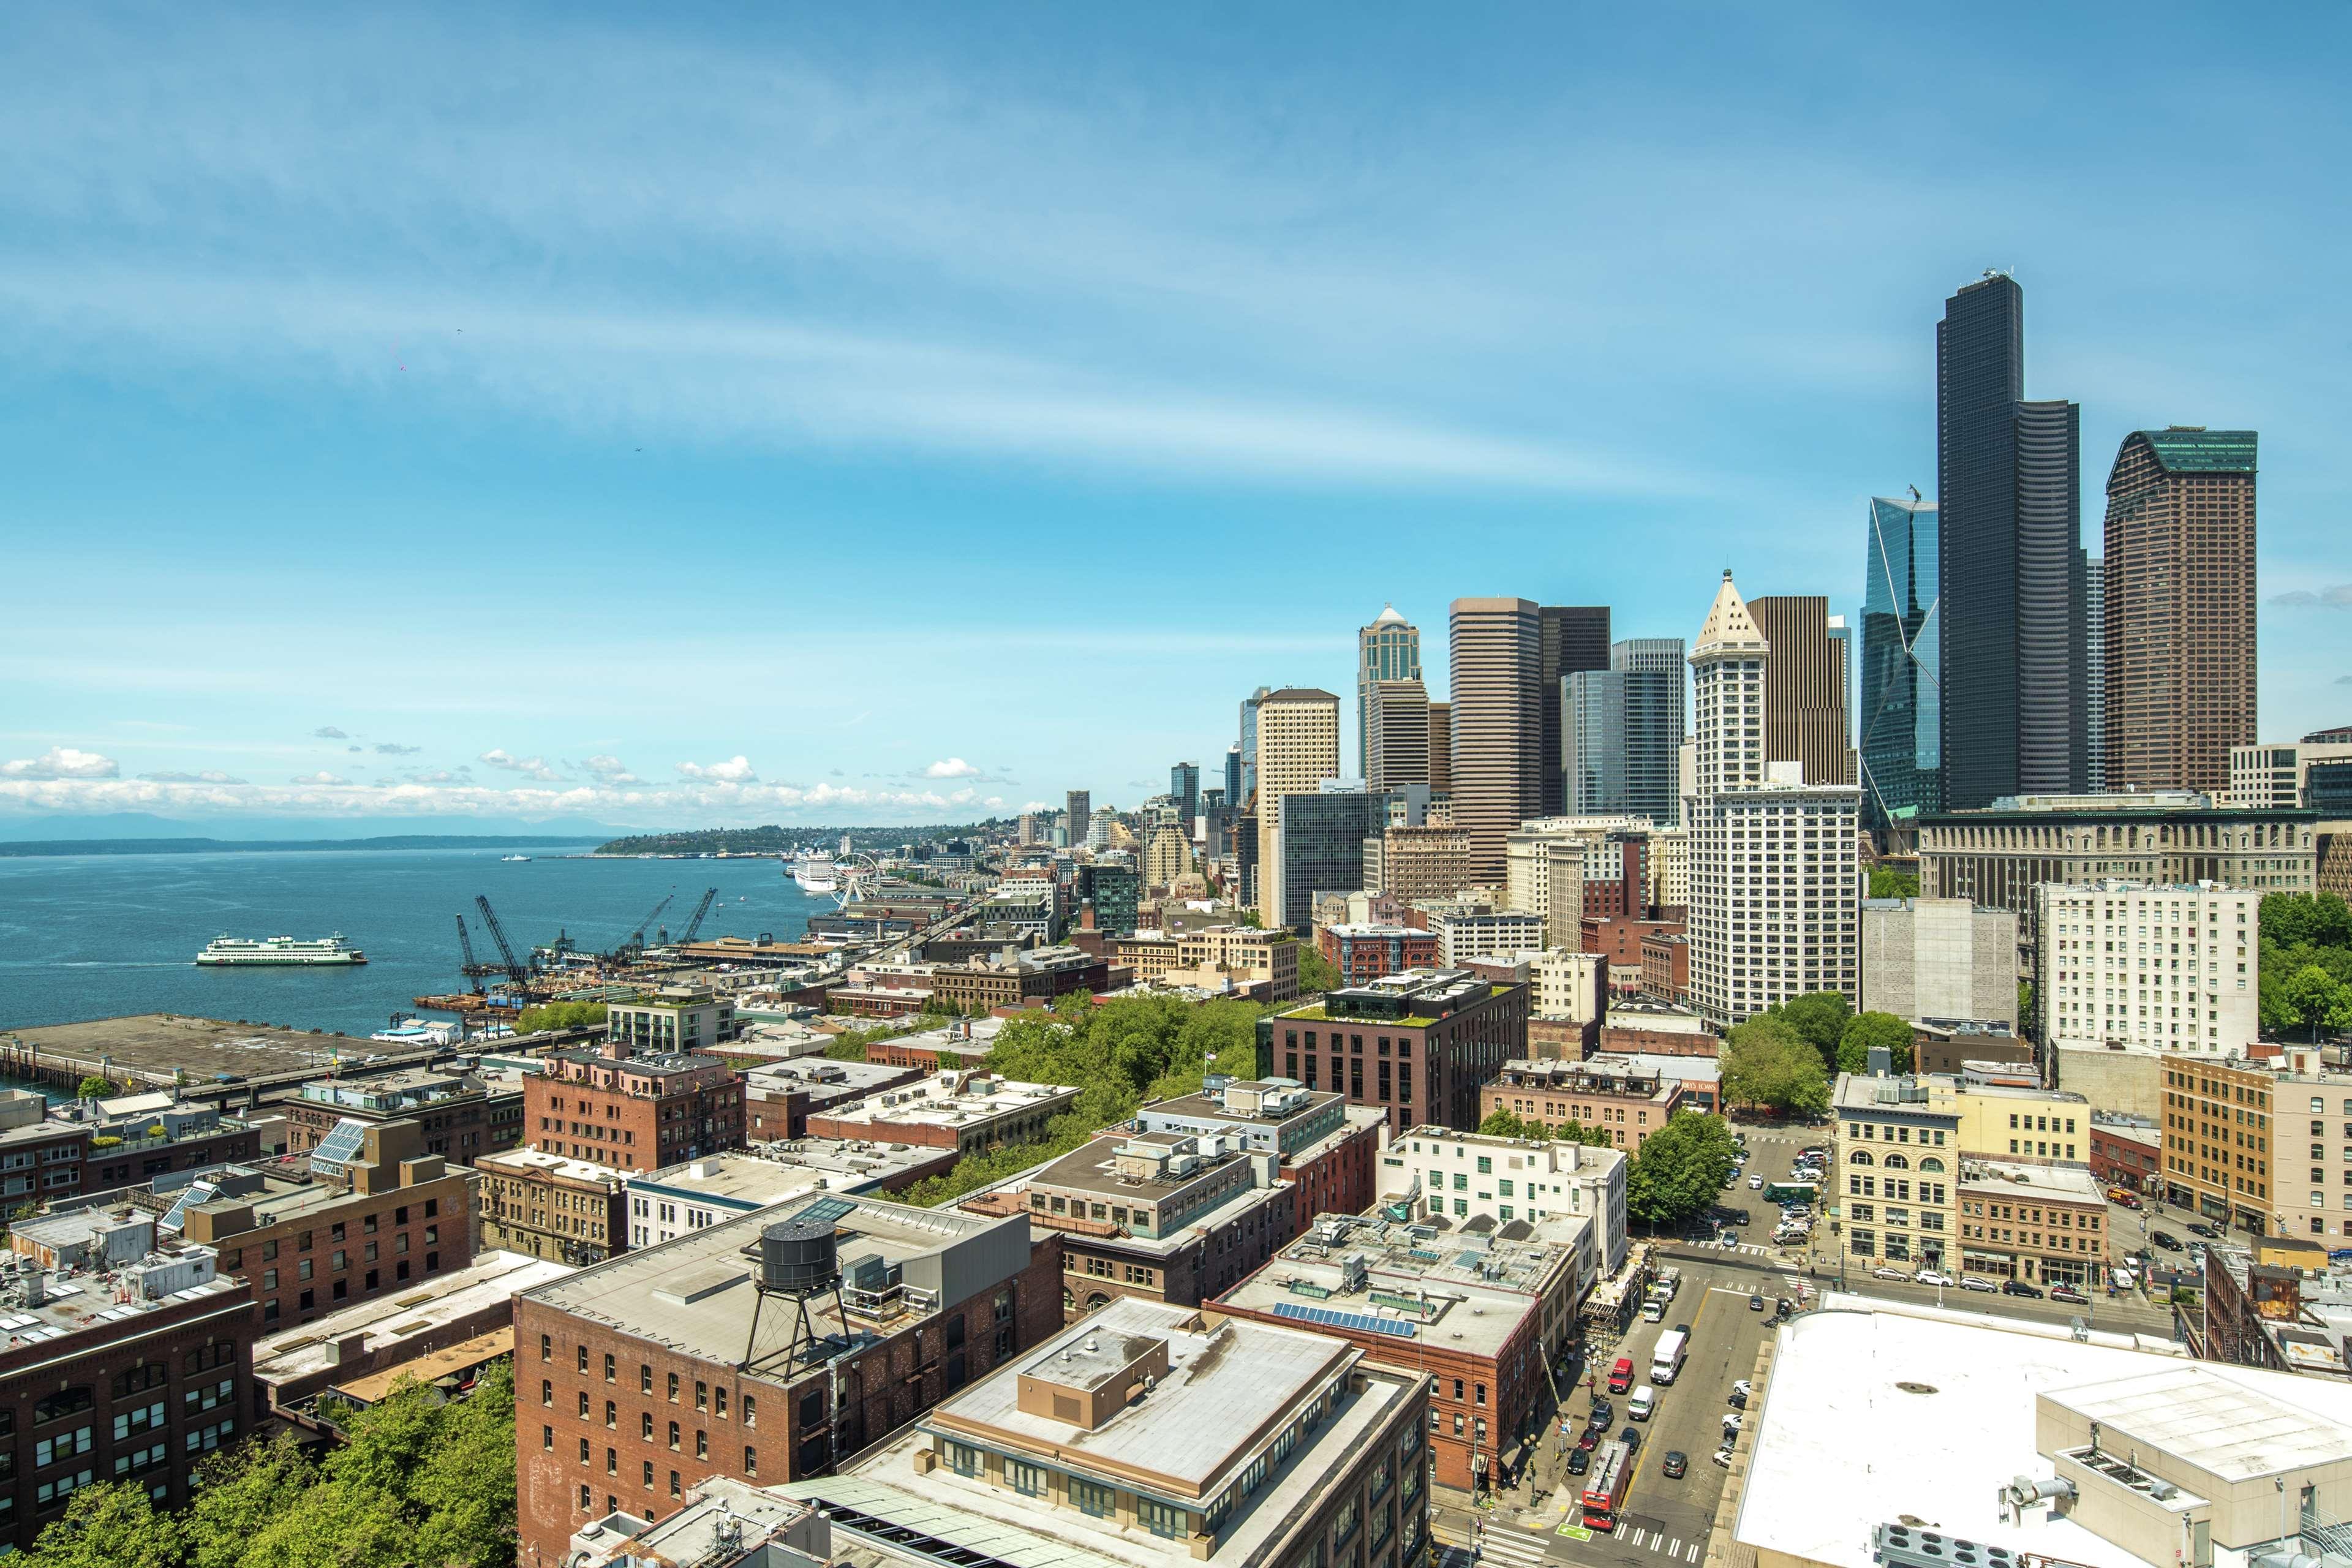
x=514, y=968
x=472, y=971
x=700, y=910
x=635, y=939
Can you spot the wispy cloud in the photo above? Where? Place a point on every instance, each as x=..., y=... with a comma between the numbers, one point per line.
x=329, y=732
x=394, y=748
x=61, y=762
x=530, y=767
x=608, y=770
x=207, y=777
x=322, y=778
x=2338, y=597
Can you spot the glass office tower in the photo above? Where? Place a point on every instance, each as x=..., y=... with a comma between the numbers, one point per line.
x=1902, y=633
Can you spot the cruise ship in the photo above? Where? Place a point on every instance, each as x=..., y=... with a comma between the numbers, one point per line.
x=228, y=949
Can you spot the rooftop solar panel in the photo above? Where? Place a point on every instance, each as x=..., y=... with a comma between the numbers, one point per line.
x=1360, y=1321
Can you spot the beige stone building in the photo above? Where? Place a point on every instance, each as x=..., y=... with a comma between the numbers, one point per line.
x=1297, y=749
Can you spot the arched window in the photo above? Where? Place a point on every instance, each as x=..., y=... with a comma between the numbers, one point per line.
x=1897, y=1163
x=1930, y=1165
x=64, y=1403
x=1860, y=1157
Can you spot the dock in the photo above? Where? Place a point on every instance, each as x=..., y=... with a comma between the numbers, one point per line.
x=209, y=1060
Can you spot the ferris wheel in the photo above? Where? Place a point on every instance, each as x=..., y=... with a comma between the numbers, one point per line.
x=854, y=878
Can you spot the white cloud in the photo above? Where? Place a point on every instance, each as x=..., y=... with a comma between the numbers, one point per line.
x=329, y=732
x=994, y=803
x=528, y=767
x=736, y=770
x=62, y=763
x=438, y=776
x=394, y=748
x=951, y=768
x=1036, y=806
x=320, y=778
x=607, y=769
x=209, y=776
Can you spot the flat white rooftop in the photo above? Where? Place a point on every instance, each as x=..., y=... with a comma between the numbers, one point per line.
x=1877, y=1410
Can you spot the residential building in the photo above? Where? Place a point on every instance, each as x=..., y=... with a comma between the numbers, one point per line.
x=1569, y=984
x=367, y=1213
x=2277, y=778
x=1326, y=1149
x=1996, y=858
x=1387, y=650
x=1496, y=647
x=1617, y=940
x=2175, y=967
x=551, y=1206
x=1566, y=867
x=1805, y=684
x=1297, y=747
x=1418, y=1045
x=1245, y=955
x=633, y=1111
x=1077, y=814
x=1166, y=855
x=970, y=1112
x=1608, y=1093
x=1017, y=977
x=2043, y=1223
x=1424, y=862
x=1665, y=966
x=1485, y=932
x=1942, y=959
x=50, y=1153
x=1487, y=1322
x=1441, y=749
x=2179, y=607
x=1153, y=1437
x=2091, y=1447
x=674, y=1019
x=691, y=1358
x=1319, y=847
x=138, y=1384
x=778, y=1097
x=1172, y=1217
x=1902, y=765
x=1478, y=1184
x=1774, y=861
x=665, y=1204
x=1185, y=784
x=463, y=1116
x=1570, y=639
x=1362, y=954
x=2247, y=1142
x=1894, y=1149
x=1114, y=888
x=2282, y=1304
x=1653, y=1024
x=1962, y=1044
x=2007, y=481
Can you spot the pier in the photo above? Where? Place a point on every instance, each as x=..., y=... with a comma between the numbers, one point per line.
x=233, y=1065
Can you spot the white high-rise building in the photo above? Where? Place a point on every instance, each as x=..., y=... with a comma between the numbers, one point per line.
x=1773, y=860
x=2131, y=963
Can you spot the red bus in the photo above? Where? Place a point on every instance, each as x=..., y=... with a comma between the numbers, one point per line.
x=1604, y=1489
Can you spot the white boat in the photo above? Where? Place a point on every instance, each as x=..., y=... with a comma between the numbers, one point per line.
x=237, y=952
x=415, y=1033
x=814, y=873
x=507, y=858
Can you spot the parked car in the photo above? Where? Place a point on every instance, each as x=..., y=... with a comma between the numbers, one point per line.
x=2019, y=1287
x=1755, y=1183
x=1579, y=1461
x=1743, y=1388
x=2211, y=1232
x=2118, y=1195
x=1722, y=1456
x=1603, y=1412
x=1677, y=1465
x=1732, y=1421
x=1930, y=1277
x=2068, y=1294
x=1755, y=1303
x=1885, y=1273
x=1738, y=1400
x=1643, y=1404
x=1978, y=1282
x=1621, y=1376
x=2165, y=1239
x=1589, y=1438
x=1632, y=1437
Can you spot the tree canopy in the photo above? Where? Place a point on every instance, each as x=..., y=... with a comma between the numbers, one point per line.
x=1818, y=1017
x=1506, y=1124
x=1680, y=1168
x=1864, y=1031
x=1767, y=1062
x=560, y=1016
x=1317, y=973
x=93, y=1087
x=420, y=1482
x=1887, y=883
x=2305, y=968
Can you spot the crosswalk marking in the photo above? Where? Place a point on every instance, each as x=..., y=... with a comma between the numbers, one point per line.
x=1637, y=1538
x=1511, y=1548
x=1674, y=1548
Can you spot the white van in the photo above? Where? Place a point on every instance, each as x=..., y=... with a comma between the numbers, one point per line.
x=1644, y=1404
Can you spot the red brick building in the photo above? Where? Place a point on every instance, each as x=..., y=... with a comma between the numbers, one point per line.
x=1665, y=967
x=1606, y=1092
x=2125, y=1154
x=632, y=1111
x=462, y=1117
x=77, y=1150
x=1363, y=954
x=1619, y=938
x=636, y=1378
x=1417, y=1044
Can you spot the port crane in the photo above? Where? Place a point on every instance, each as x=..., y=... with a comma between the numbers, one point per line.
x=700, y=910
x=513, y=968
x=470, y=969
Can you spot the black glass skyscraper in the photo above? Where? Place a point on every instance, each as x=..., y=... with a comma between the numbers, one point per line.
x=2009, y=477
x=1572, y=637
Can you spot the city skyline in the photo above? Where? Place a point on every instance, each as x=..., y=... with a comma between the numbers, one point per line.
x=371, y=434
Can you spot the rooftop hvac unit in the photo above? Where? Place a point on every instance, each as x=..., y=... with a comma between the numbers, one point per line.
x=1354, y=1272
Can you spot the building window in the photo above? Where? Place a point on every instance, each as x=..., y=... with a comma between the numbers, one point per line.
x=1162, y=1520
x=1093, y=1499
x=962, y=1459
x=1026, y=1478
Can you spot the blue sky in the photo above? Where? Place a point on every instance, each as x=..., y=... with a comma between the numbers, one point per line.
x=724, y=413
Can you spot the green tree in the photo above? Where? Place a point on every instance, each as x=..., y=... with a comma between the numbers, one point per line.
x=1820, y=1018
x=244, y=1490
x=1249, y=916
x=560, y=1016
x=112, y=1525
x=2024, y=1006
x=2317, y=1000
x=1316, y=973
x=1500, y=1123
x=93, y=1087
x=1766, y=1062
x=1680, y=1168
x=1864, y=1031
x=1888, y=883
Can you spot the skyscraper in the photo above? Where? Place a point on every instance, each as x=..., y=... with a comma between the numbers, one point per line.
x=2095, y=669
x=1320, y=848
x=1234, y=776
x=1902, y=630
x=2179, y=607
x=1077, y=816
x=1397, y=739
x=1622, y=726
x=1184, y=784
x=1773, y=859
x=1388, y=649
x=1805, y=686
x=1441, y=748
x=1573, y=638
x=1494, y=649
x=1248, y=747
x=2008, y=476
x=1297, y=748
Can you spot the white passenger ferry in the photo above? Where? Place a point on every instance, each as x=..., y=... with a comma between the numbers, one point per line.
x=226, y=950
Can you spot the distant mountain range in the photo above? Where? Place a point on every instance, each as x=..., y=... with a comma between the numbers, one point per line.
x=772, y=839
x=32, y=828
x=61, y=847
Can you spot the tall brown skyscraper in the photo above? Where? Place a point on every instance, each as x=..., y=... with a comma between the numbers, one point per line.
x=1496, y=650
x=1441, y=748
x=2179, y=607
x=1805, y=682
x=1573, y=638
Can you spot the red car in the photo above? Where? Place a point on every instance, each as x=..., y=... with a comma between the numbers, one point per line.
x=1589, y=1438
x=1621, y=1376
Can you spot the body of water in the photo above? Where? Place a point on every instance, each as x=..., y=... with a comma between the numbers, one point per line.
x=102, y=935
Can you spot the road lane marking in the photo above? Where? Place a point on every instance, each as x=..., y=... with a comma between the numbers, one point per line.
x=1693, y=1551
